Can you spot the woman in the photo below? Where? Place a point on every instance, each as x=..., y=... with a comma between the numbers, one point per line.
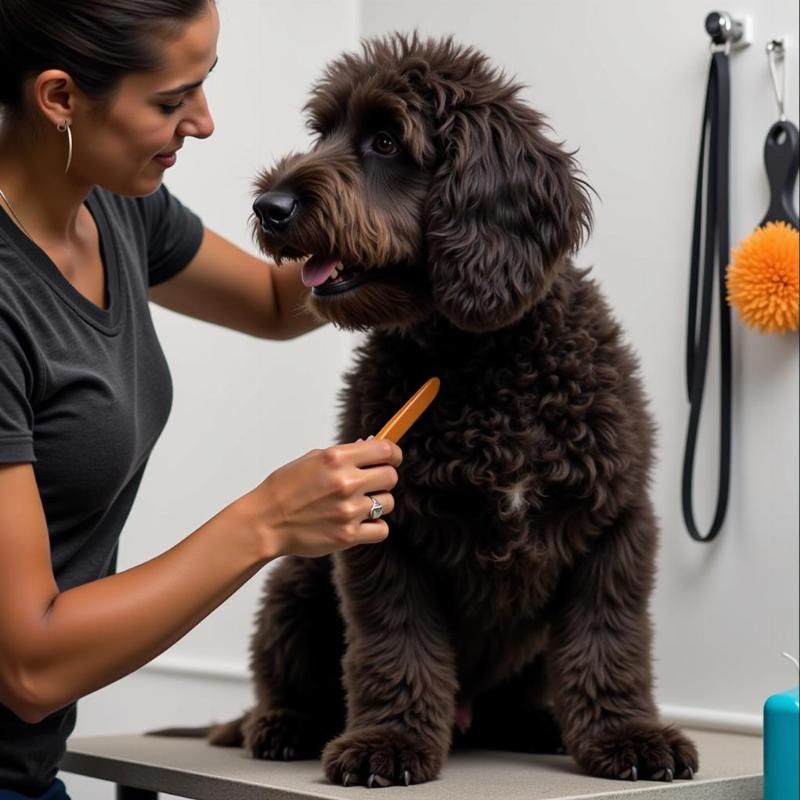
x=97, y=97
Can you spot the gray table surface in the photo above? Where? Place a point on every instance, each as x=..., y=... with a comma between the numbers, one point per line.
x=731, y=766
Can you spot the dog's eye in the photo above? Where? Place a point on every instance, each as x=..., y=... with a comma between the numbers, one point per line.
x=384, y=144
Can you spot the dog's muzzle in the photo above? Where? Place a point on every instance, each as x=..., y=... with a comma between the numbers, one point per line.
x=275, y=210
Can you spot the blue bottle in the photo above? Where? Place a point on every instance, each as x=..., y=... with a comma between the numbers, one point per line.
x=781, y=742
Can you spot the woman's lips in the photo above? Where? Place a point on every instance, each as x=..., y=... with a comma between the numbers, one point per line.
x=167, y=159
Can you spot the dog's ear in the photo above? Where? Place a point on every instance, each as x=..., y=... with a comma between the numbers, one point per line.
x=505, y=207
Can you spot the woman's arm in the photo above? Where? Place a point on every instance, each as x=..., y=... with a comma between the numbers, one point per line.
x=58, y=646
x=227, y=286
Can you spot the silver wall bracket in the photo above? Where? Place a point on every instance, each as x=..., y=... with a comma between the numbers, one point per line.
x=729, y=32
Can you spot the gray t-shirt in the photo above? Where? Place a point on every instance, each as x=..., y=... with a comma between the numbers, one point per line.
x=84, y=395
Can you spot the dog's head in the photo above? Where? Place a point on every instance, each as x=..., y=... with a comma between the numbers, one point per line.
x=431, y=188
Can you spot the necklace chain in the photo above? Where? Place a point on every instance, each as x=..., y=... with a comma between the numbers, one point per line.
x=14, y=214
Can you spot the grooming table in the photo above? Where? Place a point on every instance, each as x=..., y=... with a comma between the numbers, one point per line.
x=142, y=766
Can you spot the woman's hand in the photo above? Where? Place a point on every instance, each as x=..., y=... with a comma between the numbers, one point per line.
x=321, y=502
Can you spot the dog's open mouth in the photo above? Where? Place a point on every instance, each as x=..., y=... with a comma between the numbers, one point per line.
x=327, y=275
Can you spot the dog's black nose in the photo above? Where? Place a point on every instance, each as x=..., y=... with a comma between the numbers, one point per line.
x=275, y=209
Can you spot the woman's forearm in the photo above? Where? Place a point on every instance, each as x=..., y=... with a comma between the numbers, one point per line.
x=96, y=633
x=59, y=646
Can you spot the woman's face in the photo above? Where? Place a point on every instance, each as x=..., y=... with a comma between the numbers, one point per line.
x=127, y=148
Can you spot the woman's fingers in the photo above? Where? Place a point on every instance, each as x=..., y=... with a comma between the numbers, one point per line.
x=367, y=453
x=376, y=479
x=372, y=532
x=320, y=503
x=348, y=480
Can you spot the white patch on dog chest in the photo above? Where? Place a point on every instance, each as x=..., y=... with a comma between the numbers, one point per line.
x=514, y=499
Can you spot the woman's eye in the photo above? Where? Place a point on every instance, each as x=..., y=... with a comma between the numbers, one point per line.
x=167, y=109
x=384, y=145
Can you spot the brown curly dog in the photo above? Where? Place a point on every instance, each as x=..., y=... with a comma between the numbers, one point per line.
x=509, y=606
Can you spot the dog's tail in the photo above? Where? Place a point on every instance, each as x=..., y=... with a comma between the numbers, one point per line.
x=224, y=734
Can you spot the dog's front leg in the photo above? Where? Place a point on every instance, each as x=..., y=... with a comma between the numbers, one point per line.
x=601, y=661
x=399, y=673
x=296, y=654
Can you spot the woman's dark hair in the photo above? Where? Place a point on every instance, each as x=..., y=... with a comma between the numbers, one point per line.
x=96, y=41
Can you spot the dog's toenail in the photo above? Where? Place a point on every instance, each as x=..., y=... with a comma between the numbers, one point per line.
x=407, y=778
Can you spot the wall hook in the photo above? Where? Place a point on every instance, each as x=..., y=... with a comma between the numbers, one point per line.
x=728, y=32
x=776, y=50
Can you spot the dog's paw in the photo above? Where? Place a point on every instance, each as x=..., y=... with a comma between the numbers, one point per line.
x=378, y=757
x=639, y=750
x=282, y=736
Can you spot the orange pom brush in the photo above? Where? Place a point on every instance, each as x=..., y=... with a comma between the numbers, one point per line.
x=764, y=276
x=764, y=279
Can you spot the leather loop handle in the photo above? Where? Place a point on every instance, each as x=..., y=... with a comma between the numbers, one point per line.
x=714, y=239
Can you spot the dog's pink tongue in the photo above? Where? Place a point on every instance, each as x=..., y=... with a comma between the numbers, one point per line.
x=317, y=270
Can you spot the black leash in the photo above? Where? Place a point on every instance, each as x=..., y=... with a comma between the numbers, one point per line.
x=714, y=148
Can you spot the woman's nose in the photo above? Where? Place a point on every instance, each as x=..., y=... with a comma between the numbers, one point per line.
x=199, y=124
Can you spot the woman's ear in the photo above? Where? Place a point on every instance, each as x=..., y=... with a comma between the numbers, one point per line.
x=504, y=208
x=54, y=95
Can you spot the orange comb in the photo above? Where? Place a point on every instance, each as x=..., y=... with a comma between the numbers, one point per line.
x=410, y=412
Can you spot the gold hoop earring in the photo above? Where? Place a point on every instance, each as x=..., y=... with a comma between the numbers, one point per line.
x=65, y=126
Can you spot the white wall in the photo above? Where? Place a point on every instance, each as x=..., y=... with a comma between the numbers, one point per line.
x=622, y=81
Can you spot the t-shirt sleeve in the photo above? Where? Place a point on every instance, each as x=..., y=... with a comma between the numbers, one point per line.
x=16, y=388
x=174, y=234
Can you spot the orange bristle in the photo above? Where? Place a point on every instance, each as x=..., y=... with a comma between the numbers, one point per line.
x=764, y=278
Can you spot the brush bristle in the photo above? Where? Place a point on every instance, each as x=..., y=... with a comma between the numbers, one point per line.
x=764, y=278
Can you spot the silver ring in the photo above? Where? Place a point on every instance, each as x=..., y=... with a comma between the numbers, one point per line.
x=376, y=510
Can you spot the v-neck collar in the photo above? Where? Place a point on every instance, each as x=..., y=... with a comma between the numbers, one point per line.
x=106, y=320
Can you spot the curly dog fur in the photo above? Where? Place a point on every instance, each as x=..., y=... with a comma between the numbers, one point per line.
x=509, y=606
